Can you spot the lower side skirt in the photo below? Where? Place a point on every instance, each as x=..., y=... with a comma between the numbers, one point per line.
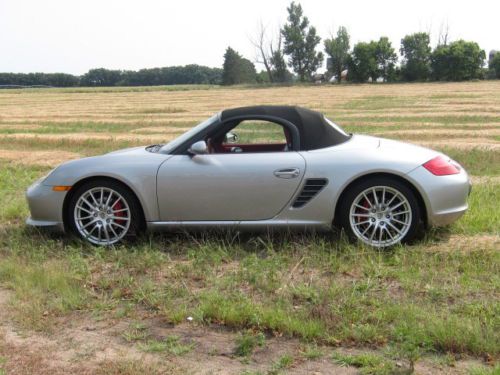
x=295, y=225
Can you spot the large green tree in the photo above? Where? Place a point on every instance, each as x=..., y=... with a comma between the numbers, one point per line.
x=300, y=43
x=237, y=69
x=338, y=49
x=494, y=66
x=362, y=63
x=386, y=58
x=101, y=77
x=457, y=61
x=416, y=53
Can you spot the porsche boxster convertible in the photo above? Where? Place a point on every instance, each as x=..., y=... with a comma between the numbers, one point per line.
x=256, y=168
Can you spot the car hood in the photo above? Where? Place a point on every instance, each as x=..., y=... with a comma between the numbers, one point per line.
x=120, y=164
x=129, y=150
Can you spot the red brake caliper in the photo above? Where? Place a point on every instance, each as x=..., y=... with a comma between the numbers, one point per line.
x=118, y=206
x=366, y=205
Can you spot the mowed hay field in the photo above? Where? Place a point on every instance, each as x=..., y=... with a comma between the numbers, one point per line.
x=220, y=303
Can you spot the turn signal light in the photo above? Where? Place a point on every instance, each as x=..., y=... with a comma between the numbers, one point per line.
x=61, y=188
x=440, y=166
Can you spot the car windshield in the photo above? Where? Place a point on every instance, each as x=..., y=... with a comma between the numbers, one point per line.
x=336, y=127
x=172, y=145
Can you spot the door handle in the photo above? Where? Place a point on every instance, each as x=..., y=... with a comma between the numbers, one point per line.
x=287, y=173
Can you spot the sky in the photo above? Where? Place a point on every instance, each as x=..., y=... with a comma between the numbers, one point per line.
x=73, y=36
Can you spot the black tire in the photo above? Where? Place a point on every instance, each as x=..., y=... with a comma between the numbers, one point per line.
x=353, y=192
x=137, y=223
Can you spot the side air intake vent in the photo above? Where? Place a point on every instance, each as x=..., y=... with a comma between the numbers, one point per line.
x=311, y=188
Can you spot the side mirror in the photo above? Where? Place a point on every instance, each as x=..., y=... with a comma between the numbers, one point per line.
x=231, y=138
x=198, y=148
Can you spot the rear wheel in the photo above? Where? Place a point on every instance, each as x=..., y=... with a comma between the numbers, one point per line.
x=104, y=212
x=380, y=212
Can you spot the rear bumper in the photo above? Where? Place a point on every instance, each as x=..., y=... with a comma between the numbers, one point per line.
x=445, y=197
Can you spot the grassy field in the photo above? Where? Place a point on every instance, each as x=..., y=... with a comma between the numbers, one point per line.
x=252, y=304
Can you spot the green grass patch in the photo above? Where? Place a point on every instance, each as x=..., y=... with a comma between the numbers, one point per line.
x=368, y=364
x=43, y=290
x=483, y=215
x=483, y=370
x=161, y=110
x=377, y=103
x=170, y=344
x=247, y=342
x=477, y=162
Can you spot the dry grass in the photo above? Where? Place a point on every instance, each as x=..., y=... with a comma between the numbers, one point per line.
x=463, y=116
x=39, y=158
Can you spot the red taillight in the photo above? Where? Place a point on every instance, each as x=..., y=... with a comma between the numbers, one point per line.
x=440, y=166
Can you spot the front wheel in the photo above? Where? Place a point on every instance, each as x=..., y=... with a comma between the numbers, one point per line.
x=380, y=212
x=104, y=212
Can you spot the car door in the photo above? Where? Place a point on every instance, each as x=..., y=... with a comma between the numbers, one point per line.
x=228, y=186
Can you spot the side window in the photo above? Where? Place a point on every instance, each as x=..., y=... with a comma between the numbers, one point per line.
x=256, y=132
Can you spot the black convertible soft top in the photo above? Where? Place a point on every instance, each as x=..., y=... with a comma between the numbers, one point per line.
x=314, y=130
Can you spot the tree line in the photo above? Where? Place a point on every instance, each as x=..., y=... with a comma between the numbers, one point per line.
x=296, y=47
x=172, y=75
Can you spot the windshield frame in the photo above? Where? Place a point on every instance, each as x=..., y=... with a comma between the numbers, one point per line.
x=178, y=142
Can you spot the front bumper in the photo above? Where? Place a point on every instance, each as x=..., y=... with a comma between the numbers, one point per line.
x=46, y=206
x=445, y=197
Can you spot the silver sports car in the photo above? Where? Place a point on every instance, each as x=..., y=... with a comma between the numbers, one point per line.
x=256, y=168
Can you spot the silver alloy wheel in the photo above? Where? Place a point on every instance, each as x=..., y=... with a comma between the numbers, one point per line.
x=380, y=216
x=102, y=216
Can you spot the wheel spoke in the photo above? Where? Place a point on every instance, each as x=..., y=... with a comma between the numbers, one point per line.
x=84, y=209
x=106, y=234
x=90, y=232
x=396, y=206
x=114, y=232
x=109, y=199
x=90, y=222
x=393, y=227
x=362, y=222
x=121, y=210
x=361, y=207
x=95, y=200
x=86, y=217
x=392, y=199
x=124, y=218
x=374, y=192
x=361, y=215
x=399, y=221
x=118, y=225
x=389, y=233
x=369, y=202
x=383, y=195
x=88, y=203
x=400, y=213
x=117, y=200
x=366, y=229
x=373, y=233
